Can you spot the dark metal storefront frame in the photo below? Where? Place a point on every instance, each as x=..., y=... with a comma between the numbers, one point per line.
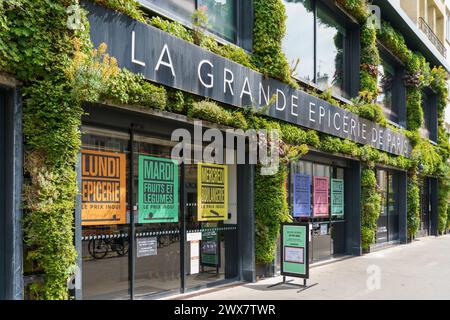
x=352, y=192
x=158, y=125
x=401, y=206
x=11, y=173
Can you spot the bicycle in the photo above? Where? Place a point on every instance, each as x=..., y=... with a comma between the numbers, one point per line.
x=99, y=248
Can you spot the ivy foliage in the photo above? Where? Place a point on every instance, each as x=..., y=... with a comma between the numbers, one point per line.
x=370, y=207
x=270, y=212
x=357, y=8
x=413, y=205
x=36, y=46
x=370, y=59
x=128, y=7
x=268, y=33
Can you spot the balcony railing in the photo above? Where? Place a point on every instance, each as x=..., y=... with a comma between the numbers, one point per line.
x=432, y=36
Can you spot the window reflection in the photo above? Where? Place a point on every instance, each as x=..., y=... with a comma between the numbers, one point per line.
x=385, y=85
x=298, y=42
x=220, y=17
x=220, y=13
x=302, y=28
x=181, y=9
x=330, y=53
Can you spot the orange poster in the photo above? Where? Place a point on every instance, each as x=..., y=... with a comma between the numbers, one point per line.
x=103, y=188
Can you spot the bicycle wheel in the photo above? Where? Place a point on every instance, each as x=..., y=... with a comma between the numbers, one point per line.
x=98, y=248
x=120, y=246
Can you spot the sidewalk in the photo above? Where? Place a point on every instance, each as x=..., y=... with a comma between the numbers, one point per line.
x=420, y=270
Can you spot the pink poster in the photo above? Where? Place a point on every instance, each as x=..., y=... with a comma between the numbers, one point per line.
x=320, y=196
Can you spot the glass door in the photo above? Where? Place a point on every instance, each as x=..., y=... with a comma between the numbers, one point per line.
x=157, y=217
x=388, y=220
x=424, y=208
x=105, y=214
x=382, y=223
x=210, y=250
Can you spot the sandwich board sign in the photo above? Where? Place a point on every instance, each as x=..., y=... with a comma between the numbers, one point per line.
x=295, y=250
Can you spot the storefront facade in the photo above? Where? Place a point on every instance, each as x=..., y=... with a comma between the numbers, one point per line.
x=148, y=224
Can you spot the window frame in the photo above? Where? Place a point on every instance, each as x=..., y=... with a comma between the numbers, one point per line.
x=429, y=130
x=243, y=36
x=351, y=49
x=398, y=88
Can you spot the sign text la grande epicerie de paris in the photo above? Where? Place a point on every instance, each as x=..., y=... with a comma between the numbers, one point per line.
x=168, y=60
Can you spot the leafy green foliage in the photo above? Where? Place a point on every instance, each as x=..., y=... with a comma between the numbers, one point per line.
x=370, y=59
x=357, y=8
x=129, y=88
x=413, y=205
x=268, y=32
x=444, y=192
x=51, y=121
x=173, y=27
x=414, y=112
x=128, y=7
x=370, y=207
x=270, y=212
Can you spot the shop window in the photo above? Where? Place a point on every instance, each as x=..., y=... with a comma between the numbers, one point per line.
x=391, y=90
x=300, y=25
x=331, y=37
x=165, y=259
x=221, y=13
x=447, y=26
x=320, y=41
x=317, y=196
x=385, y=79
x=429, y=107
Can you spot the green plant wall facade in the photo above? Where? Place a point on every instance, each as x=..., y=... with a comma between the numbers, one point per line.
x=61, y=70
x=370, y=207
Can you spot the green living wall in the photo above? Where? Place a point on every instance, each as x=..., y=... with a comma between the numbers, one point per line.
x=60, y=69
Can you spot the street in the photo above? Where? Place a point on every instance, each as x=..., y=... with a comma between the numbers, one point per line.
x=420, y=270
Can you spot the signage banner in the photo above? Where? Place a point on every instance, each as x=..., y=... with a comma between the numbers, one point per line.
x=302, y=195
x=158, y=190
x=212, y=192
x=320, y=195
x=295, y=253
x=161, y=58
x=337, y=197
x=103, y=188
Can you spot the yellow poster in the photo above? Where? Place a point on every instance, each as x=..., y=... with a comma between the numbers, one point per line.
x=103, y=188
x=212, y=192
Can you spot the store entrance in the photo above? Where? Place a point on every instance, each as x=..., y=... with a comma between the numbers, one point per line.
x=388, y=220
x=159, y=244
x=317, y=196
x=425, y=208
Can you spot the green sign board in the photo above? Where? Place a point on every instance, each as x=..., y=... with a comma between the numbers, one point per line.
x=294, y=254
x=210, y=246
x=158, y=190
x=337, y=197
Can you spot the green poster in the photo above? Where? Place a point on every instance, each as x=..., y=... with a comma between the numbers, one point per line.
x=158, y=190
x=337, y=197
x=294, y=249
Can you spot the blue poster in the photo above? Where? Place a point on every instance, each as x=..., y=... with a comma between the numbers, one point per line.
x=302, y=195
